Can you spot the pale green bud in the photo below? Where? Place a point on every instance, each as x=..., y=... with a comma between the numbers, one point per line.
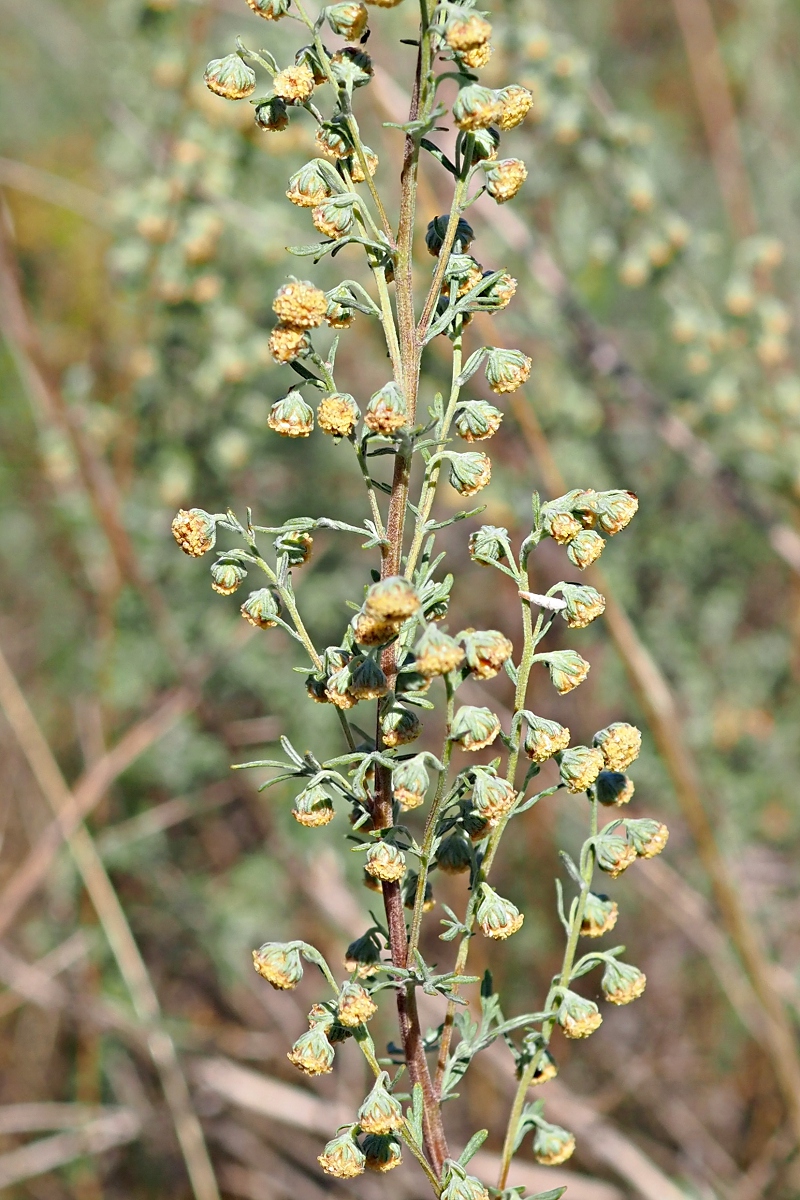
x=334, y=217
x=367, y=680
x=489, y=544
x=578, y=1017
x=308, y=187
x=380, y=1113
x=614, y=510
x=195, y=531
x=392, y=599
x=437, y=654
x=230, y=77
x=312, y=1053
x=614, y=854
x=476, y=420
x=348, y=20
x=567, y=670
x=272, y=115
x=648, y=837
x=506, y=370
x=385, y=862
x=270, y=10
x=585, y=548
x=355, y=1006
x=280, y=964
x=599, y=915
x=296, y=545
x=552, y=1145
x=400, y=726
x=543, y=738
x=584, y=604
x=470, y=472
x=313, y=807
x=476, y=107
x=261, y=608
x=291, y=416
x=351, y=68
x=410, y=782
x=387, y=411
x=486, y=650
x=383, y=1152
x=579, y=767
x=226, y=577
x=342, y=1157
x=458, y=1185
x=621, y=982
x=497, y=917
x=492, y=796
x=473, y=728
x=620, y=744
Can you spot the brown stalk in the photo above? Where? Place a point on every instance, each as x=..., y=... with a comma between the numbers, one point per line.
x=663, y=718
x=47, y=773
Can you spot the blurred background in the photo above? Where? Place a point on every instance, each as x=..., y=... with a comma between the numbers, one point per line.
x=142, y=239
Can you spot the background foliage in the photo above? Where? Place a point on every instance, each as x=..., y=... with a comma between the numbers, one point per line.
x=143, y=230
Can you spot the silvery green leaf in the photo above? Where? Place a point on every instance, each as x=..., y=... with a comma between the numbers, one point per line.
x=473, y=1146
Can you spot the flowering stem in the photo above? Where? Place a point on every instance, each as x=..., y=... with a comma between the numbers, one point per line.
x=587, y=870
x=456, y=209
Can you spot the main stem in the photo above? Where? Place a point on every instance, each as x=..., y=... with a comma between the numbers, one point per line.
x=407, y=372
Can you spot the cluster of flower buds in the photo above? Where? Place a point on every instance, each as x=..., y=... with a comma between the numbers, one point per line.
x=379, y=1119
x=573, y=521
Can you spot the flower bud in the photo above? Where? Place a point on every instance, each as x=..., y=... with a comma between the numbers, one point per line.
x=312, y=1053
x=506, y=370
x=380, y=1113
x=226, y=577
x=270, y=10
x=313, y=807
x=295, y=84
x=355, y=1006
x=338, y=414
x=296, y=545
x=475, y=827
x=409, y=890
x=301, y=304
x=371, y=631
x=477, y=57
x=352, y=67
x=476, y=420
x=476, y=107
x=271, y=115
x=348, y=20
x=504, y=178
x=364, y=955
x=567, y=670
x=620, y=744
x=498, y=918
x=484, y=145
x=552, y=1145
x=546, y=1070
x=585, y=548
x=410, y=782
x=291, y=416
x=470, y=472
x=578, y=1017
x=333, y=139
x=500, y=293
x=260, y=608
x=613, y=788
x=561, y=526
x=579, y=767
x=195, y=531
x=584, y=605
x=599, y=915
x=307, y=187
x=614, y=510
x=614, y=854
x=543, y=738
x=342, y=1157
x=287, y=343
x=337, y=688
x=400, y=726
x=437, y=654
x=383, y=1152
x=437, y=228
x=648, y=837
x=392, y=599
x=489, y=544
x=367, y=680
x=280, y=964
x=386, y=411
x=334, y=218
x=492, y=796
x=454, y=855
x=621, y=982
x=486, y=650
x=465, y=32
x=230, y=77
x=473, y=728
x=515, y=104
x=458, y=1185
x=385, y=862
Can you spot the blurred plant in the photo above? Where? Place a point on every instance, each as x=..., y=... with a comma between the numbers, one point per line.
x=394, y=648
